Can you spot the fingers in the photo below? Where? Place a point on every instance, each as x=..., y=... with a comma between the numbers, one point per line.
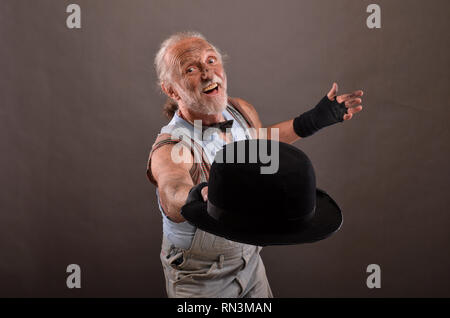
x=348, y=116
x=354, y=110
x=205, y=193
x=353, y=102
x=351, y=111
x=332, y=93
x=346, y=97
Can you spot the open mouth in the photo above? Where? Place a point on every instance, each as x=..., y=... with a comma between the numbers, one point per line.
x=211, y=89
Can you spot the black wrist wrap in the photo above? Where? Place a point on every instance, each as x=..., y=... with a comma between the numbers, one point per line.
x=326, y=113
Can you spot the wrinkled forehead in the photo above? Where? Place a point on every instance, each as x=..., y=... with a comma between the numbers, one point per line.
x=188, y=50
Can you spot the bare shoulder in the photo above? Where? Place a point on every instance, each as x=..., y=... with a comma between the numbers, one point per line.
x=244, y=104
x=171, y=162
x=248, y=109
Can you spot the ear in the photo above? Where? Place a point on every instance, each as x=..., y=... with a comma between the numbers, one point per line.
x=169, y=91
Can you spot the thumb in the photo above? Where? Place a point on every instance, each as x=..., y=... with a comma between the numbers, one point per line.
x=333, y=91
x=205, y=193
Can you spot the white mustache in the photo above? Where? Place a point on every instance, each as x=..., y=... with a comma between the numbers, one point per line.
x=215, y=79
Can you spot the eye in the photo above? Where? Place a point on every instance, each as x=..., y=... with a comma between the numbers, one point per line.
x=190, y=69
x=211, y=60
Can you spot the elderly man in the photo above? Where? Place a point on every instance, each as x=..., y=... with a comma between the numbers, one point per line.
x=191, y=74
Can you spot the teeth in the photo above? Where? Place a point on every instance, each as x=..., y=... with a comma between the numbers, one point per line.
x=210, y=87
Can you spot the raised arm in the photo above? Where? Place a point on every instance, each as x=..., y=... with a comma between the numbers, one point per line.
x=330, y=110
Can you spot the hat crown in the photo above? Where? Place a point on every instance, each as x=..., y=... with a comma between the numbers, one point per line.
x=243, y=193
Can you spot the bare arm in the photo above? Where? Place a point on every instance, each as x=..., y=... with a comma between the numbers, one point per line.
x=174, y=180
x=285, y=129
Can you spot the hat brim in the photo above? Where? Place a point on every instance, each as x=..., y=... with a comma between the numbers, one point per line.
x=326, y=220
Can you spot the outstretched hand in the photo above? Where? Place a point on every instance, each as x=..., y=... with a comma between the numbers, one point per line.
x=352, y=100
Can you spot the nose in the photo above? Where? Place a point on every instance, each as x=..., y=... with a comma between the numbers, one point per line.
x=206, y=72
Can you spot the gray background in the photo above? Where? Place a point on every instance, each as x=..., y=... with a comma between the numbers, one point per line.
x=79, y=111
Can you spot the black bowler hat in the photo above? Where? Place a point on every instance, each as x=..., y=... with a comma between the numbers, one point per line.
x=249, y=206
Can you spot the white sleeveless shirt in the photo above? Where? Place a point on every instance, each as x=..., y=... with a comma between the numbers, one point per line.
x=181, y=234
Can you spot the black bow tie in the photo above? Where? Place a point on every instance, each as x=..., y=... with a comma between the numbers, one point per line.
x=223, y=125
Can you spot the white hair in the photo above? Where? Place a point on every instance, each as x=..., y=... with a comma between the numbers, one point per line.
x=162, y=69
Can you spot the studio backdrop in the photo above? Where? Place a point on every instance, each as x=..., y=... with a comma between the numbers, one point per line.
x=80, y=109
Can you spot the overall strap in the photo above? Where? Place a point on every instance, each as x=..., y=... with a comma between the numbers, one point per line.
x=241, y=117
x=200, y=167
